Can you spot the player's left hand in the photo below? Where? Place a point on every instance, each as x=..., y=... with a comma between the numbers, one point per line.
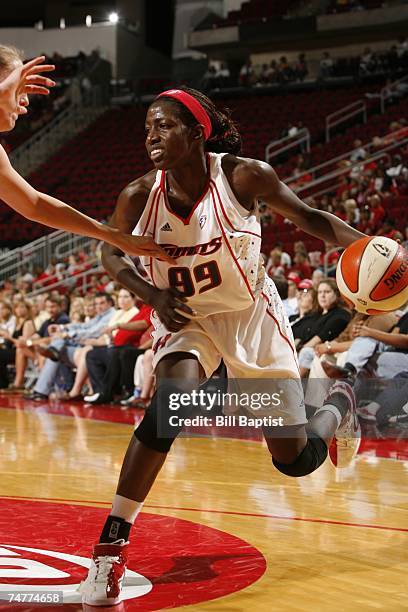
x=143, y=245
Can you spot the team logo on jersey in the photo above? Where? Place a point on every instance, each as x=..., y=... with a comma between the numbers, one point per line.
x=202, y=221
x=208, y=248
x=166, y=228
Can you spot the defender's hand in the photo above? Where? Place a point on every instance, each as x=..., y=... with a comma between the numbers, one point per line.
x=143, y=245
x=26, y=80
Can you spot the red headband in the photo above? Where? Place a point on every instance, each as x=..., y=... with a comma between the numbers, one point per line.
x=193, y=106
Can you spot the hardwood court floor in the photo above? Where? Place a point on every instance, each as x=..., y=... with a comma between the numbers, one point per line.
x=330, y=541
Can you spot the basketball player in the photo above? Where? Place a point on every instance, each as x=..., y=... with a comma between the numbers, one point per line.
x=201, y=202
x=17, y=82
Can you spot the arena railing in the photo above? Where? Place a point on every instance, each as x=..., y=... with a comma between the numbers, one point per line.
x=37, y=149
x=331, y=177
x=314, y=170
x=344, y=114
x=22, y=156
x=38, y=253
x=82, y=281
x=276, y=147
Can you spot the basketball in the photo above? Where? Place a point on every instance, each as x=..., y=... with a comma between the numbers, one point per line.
x=372, y=275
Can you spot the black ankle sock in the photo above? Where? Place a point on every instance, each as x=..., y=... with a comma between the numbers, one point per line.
x=115, y=528
x=340, y=401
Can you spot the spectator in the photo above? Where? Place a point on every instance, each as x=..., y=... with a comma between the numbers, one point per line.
x=303, y=322
x=391, y=405
x=125, y=313
x=290, y=304
x=112, y=369
x=285, y=72
x=335, y=352
x=377, y=212
x=274, y=267
x=246, y=74
x=26, y=347
x=389, y=348
x=367, y=61
x=7, y=321
x=223, y=76
x=66, y=340
x=143, y=380
x=352, y=212
x=317, y=277
x=359, y=152
x=326, y=66
x=331, y=322
x=301, y=265
x=24, y=328
x=273, y=72
x=301, y=70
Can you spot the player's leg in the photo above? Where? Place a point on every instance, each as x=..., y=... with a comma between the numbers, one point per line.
x=262, y=333
x=146, y=452
x=300, y=450
x=144, y=458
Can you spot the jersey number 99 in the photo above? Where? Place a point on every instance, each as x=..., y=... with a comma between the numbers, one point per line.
x=182, y=279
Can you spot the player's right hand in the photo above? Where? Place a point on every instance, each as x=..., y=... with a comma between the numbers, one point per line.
x=169, y=305
x=25, y=80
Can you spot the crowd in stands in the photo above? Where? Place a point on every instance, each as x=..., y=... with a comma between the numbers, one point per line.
x=334, y=342
x=347, y=6
x=393, y=62
x=59, y=342
x=361, y=175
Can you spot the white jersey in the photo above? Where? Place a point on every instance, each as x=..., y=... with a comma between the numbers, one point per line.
x=219, y=266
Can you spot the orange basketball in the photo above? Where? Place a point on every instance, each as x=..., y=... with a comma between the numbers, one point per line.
x=372, y=275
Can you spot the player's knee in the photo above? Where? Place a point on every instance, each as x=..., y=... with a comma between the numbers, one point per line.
x=159, y=428
x=311, y=457
x=147, y=431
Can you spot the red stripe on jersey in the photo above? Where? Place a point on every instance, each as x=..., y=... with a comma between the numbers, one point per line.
x=151, y=209
x=154, y=235
x=227, y=218
x=187, y=220
x=279, y=329
x=229, y=246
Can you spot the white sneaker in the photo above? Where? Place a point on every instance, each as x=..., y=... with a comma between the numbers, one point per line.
x=103, y=584
x=91, y=398
x=347, y=439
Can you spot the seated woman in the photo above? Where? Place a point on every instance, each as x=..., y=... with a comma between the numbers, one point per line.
x=26, y=349
x=332, y=320
x=111, y=369
x=125, y=313
x=303, y=322
x=24, y=328
x=332, y=354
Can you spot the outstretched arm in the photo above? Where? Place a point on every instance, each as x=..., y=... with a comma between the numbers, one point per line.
x=266, y=186
x=45, y=209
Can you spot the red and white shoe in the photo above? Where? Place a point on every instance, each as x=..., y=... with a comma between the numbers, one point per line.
x=347, y=439
x=103, y=584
